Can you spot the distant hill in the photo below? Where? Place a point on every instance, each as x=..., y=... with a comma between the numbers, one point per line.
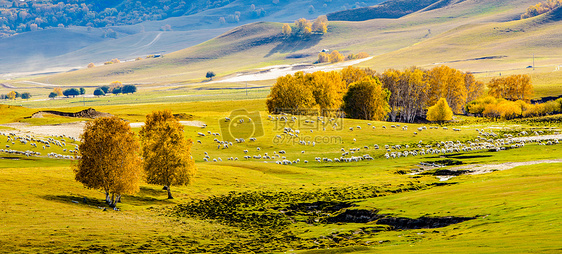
x=391, y=9
x=127, y=29
x=472, y=35
x=18, y=16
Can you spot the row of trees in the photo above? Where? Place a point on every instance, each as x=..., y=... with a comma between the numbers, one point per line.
x=514, y=87
x=506, y=109
x=111, y=158
x=540, y=8
x=12, y=95
x=335, y=56
x=399, y=95
x=305, y=27
x=116, y=87
x=414, y=90
x=355, y=90
x=68, y=92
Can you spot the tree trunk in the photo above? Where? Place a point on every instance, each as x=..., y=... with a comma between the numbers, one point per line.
x=118, y=198
x=107, y=198
x=170, y=193
x=112, y=203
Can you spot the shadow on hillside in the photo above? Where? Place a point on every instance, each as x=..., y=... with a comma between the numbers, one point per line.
x=294, y=43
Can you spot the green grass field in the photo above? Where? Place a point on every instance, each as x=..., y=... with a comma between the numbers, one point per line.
x=516, y=210
x=255, y=205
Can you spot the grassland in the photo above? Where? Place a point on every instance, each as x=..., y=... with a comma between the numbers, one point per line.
x=516, y=210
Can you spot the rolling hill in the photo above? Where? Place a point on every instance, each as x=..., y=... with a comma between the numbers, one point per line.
x=474, y=35
x=127, y=39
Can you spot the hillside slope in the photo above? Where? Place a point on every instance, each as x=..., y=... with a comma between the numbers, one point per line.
x=473, y=29
x=197, y=25
x=487, y=46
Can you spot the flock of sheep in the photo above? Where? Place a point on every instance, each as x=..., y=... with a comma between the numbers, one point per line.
x=487, y=141
x=12, y=139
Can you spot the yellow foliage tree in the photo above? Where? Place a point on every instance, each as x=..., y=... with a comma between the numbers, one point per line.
x=327, y=88
x=318, y=90
x=58, y=91
x=323, y=57
x=166, y=153
x=508, y=109
x=320, y=25
x=91, y=65
x=287, y=29
x=492, y=111
x=361, y=55
x=448, y=83
x=352, y=74
x=109, y=158
x=366, y=99
x=290, y=92
x=307, y=31
x=540, y=8
x=514, y=87
x=12, y=95
x=303, y=26
x=115, y=60
x=335, y=57
x=440, y=112
x=475, y=89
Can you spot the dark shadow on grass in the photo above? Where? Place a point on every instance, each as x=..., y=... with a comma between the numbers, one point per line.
x=69, y=199
x=295, y=43
x=137, y=200
x=468, y=156
x=148, y=191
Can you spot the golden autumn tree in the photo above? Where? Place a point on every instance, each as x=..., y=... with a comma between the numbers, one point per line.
x=290, y=92
x=474, y=89
x=327, y=89
x=336, y=56
x=514, y=87
x=323, y=57
x=320, y=25
x=303, y=26
x=509, y=109
x=58, y=91
x=287, y=30
x=366, y=99
x=91, y=65
x=109, y=158
x=12, y=95
x=440, y=112
x=166, y=152
x=352, y=74
x=448, y=83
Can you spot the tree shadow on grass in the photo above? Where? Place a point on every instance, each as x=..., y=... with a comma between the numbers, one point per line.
x=75, y=199
x=295, y=43
x=144, y=197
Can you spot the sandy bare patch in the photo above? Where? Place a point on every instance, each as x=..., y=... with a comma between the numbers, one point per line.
x=68, y=129
x=273, y=72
